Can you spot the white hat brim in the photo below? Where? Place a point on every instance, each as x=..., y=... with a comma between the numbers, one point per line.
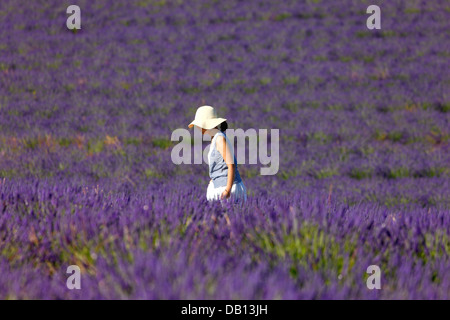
x=207, y=124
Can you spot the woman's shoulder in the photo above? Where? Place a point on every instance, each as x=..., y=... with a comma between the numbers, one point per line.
x=218, y=136
x=220, y=139
x=220, y=133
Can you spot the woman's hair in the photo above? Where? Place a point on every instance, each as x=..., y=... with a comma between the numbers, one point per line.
x=223, y=126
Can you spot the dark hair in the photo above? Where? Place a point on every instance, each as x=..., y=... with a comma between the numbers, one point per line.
x=223, y=126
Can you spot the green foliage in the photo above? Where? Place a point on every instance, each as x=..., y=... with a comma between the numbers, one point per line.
x=162, y=143
x=291, y=80
x=326, y=173
x=359, y=173
x=396, y=173
x=283, y=16
x=265, y=81
x=96, y=146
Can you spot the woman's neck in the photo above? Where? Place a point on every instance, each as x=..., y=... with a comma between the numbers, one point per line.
x=212, y=132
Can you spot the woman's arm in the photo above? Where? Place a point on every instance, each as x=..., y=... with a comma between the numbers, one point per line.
x=227, y=155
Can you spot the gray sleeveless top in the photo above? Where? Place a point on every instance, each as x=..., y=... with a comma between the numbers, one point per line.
x=218, y=169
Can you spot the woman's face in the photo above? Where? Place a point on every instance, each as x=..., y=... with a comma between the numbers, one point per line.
x=201, y=129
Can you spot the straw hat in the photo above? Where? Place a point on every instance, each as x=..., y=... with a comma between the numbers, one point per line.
x=206, y=118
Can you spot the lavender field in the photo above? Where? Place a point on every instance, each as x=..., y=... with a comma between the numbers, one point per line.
x=86, y=176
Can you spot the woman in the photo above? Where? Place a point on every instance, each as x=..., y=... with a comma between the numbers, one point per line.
x=225, y=181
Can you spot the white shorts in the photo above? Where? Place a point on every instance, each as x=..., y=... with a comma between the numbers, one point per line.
x=238, y=192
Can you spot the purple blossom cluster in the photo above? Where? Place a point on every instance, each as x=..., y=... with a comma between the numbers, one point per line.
x=86, y=175
x=169, y=243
